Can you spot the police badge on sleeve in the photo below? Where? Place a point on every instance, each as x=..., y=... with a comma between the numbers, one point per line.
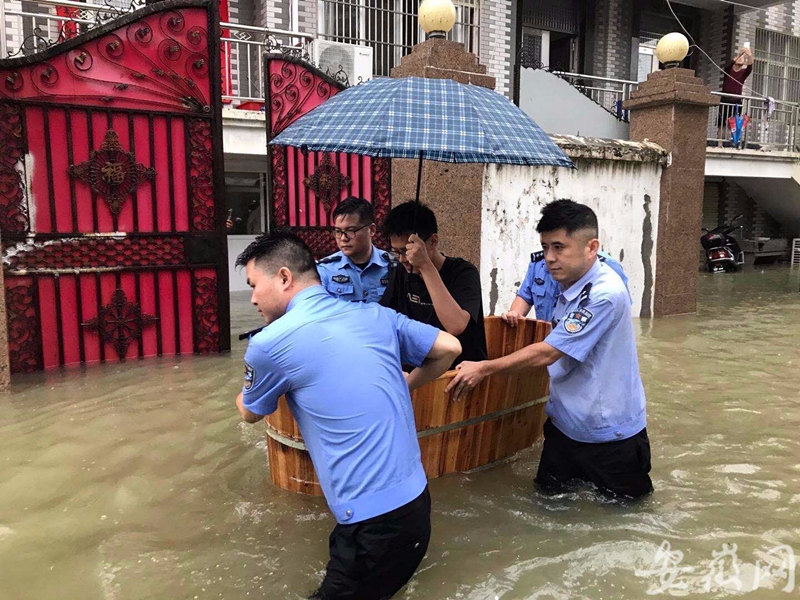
x=249, y=376
x=575, y=321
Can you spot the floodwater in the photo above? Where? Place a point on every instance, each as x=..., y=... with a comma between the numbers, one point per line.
x=139, y=481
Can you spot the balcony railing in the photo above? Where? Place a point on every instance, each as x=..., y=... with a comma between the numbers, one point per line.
x=770, y=127
x=31, y=26
x=243, y=47
x=607, y=92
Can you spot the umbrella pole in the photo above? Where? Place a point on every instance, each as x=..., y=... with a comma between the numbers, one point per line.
x=419, y=173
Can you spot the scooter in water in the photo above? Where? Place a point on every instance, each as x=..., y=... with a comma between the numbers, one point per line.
x=722, y=250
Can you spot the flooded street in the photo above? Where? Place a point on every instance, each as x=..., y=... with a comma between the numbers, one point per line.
x=139, y=481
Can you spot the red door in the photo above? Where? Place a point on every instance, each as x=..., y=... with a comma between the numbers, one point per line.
x=113, y=241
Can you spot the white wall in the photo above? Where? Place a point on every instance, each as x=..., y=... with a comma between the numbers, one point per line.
x=244, y=133
x=244, y=141
x=624, y=194
x=557, y=107
x=236, y=278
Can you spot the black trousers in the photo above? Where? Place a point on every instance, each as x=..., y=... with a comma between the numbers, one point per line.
x=617, y=468
x=373, y=559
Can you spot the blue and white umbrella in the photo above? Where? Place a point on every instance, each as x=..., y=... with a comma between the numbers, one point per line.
x=410, y=117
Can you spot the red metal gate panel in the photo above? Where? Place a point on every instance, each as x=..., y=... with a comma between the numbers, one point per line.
x=306, y=186
x=113, y=242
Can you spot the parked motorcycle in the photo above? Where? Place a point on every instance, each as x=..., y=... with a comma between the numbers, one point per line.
x=722, y=250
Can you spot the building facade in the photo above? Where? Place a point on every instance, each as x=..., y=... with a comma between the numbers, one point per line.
x=611, y=43
x=607, y=44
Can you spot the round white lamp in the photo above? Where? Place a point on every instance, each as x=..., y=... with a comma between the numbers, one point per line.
x=437, y=17
x=672, y=49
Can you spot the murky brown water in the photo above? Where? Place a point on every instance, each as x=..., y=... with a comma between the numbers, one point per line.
x=139, y=481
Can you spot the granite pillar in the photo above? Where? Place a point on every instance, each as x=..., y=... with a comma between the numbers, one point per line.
x=453, y=191
x=671, y=109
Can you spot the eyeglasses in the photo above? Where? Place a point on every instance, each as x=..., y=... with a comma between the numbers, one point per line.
x=349, y=232
x=402, y=251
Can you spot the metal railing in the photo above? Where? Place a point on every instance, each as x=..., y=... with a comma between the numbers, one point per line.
x=242, y=52
x=607, y=92
x=392, y=28
x=31, y=26
x=769, y=127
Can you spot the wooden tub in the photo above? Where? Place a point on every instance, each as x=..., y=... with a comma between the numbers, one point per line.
x=502, y=416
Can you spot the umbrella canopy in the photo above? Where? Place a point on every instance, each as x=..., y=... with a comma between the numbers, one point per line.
x=411, y=116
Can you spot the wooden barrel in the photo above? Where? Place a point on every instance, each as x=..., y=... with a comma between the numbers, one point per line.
x=500, y=417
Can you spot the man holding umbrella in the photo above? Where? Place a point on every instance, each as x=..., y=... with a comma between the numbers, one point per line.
x=430, y=287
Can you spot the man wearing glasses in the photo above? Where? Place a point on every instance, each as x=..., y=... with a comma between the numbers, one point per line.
x=359, y=271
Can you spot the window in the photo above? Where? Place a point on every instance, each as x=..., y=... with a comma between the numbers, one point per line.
x=244, y=199
x=534, y=48
x=776, y=70
x=647, y=62
x=390, y=27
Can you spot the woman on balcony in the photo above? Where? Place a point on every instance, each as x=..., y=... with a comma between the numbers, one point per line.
x=737, y=71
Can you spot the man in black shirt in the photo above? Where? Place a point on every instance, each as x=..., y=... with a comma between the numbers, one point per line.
x=430, y=287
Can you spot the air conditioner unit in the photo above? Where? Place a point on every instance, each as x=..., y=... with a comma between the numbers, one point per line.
x=342, y=61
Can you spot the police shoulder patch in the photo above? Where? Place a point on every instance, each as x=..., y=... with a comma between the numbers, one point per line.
x=249, y=376
x=537, y=256
x=329, y=259
x=341, y=278
x=575, y=321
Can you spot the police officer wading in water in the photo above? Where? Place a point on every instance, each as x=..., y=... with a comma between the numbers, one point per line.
x=358, y=424
x=595, y=431
x=540, y=291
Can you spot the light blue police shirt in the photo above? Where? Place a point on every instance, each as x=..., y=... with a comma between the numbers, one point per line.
x=339, y=365
x=596, y=393
x=541, y=291
x=343, y=279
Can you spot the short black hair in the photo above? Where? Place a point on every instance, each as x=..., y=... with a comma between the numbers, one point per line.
x=353, y=205
x=280, y=248
x=567, y=215
x=411, y=217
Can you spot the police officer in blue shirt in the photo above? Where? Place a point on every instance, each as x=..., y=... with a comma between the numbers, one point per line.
x=540, y=290
x=596, y=430
x=358, y=272
x=357, y=423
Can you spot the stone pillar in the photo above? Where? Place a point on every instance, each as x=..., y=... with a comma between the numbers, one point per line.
x=453, y=191
x=5, y=372
x=671, y=109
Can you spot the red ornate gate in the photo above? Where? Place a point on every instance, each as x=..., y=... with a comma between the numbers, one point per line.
x=305, y=187
x=113, y=244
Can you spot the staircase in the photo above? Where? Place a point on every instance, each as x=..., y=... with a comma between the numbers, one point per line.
x=563, y=105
